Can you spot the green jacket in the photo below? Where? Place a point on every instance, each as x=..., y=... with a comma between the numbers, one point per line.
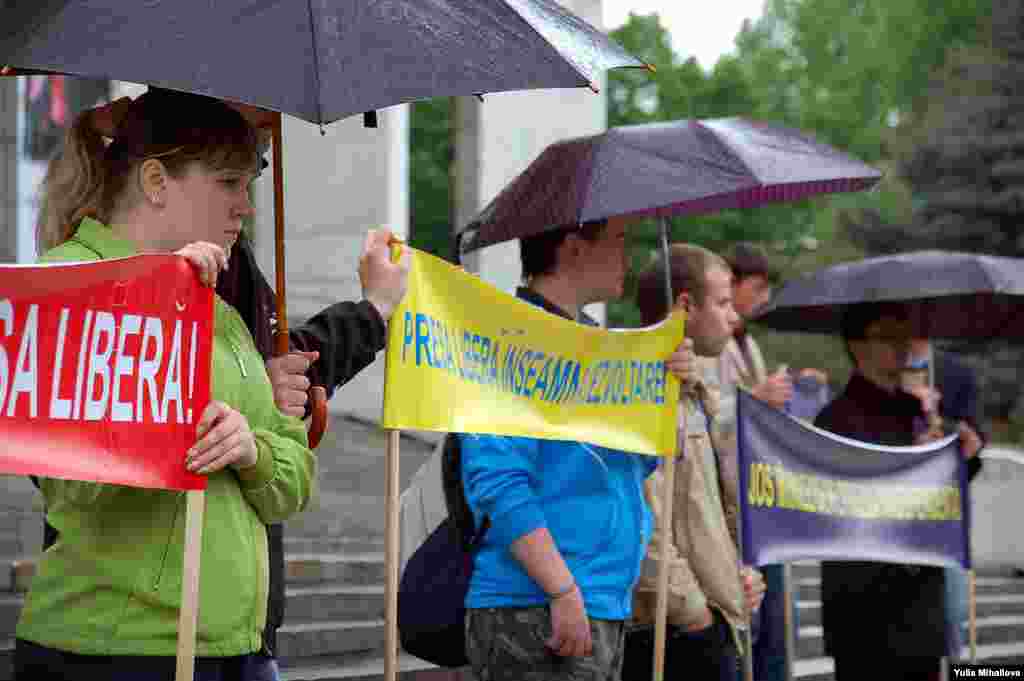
x=111, y=585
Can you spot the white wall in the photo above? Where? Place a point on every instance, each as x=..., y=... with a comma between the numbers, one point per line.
x=499, y=137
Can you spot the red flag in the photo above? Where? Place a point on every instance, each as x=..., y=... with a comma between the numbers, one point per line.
x=104, y=370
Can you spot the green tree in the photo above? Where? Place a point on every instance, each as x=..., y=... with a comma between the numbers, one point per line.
x=681, y=90
x=431, y=154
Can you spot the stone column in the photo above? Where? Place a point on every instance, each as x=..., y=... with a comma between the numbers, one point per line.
x=8, y=169
x=496, y=139
x=336, y=185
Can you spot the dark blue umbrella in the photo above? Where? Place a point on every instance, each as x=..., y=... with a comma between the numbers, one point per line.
x=319, y=60
x=946, y=295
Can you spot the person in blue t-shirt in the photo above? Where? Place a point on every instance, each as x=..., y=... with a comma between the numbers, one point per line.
x=553, y=578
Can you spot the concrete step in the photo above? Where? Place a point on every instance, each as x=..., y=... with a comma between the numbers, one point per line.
x=809, y=589
x=10, y=610
x=6, y=659
x=988, y=605
x=310, y=639
x=821, y=668
x=325, y=603
x=330, y=544
x=806, y=569
x=366, y=667
x=993, y=629
x=356, y=569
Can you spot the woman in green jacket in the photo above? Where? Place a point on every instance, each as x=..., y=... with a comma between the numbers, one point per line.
x=104, y=602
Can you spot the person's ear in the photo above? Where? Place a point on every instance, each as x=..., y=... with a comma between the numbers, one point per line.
x=684, y=302
x=153, y=178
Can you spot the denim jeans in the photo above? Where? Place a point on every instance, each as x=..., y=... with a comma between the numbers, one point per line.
x=956, y=610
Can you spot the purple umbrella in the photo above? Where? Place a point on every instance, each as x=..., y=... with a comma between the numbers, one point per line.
x=664, y=169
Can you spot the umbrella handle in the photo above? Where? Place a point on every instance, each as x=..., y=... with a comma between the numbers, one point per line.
x=318, y=414
x=317, y=397
x=317, y=394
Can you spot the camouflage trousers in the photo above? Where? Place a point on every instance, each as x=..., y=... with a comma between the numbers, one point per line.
x=508, y=644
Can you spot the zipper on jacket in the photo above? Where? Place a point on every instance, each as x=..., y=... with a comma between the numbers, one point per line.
x=167, y=544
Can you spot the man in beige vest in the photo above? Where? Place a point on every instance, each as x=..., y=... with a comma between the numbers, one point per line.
x=709, y=594
x=741, y=362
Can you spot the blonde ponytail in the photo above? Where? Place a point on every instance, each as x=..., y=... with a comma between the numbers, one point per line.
x=73, y=186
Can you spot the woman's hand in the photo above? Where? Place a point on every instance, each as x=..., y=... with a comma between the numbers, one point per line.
x=208, y=259
x=224, y=440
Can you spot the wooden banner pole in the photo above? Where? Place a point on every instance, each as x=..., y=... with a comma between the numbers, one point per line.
x=972, y=613
x=788, y=602
x=661, y=609
x=188, y=616
x=392, y=557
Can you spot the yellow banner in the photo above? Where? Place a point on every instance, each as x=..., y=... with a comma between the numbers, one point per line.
x=466, y=357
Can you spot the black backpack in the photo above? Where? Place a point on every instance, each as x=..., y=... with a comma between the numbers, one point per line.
x=432, y=592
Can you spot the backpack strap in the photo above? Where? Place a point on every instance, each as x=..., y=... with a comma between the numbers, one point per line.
x=467, y=535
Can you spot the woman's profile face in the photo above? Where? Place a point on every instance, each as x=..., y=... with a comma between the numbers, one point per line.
x=208, y=205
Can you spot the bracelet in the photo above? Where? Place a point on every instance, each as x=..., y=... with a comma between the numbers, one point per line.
x=564, y=591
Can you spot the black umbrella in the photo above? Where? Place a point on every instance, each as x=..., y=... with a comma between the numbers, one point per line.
x=316, y=60
x=664, y=169
x=948, y=295
x=319, y=60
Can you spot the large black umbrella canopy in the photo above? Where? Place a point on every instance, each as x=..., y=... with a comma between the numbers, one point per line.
x=947, y=294
x=664, y=169
x=319, y=60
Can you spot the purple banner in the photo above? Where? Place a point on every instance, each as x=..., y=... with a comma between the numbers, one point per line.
x=807, y=494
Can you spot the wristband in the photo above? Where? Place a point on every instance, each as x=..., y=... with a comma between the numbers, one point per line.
x=564, y=591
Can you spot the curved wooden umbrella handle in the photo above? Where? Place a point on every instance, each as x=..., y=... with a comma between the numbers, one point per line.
x=317, y=394
x=318, y=414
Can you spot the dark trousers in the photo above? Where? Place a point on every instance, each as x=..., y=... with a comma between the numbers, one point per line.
x=706, y=655
x=880, y=668
x=770, y=627
x=37, y=663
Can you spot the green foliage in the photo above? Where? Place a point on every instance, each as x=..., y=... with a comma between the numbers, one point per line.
x=431, y=156
x=845, y=71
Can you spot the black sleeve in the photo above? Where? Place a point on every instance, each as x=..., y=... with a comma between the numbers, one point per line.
x=973, y=467
x=347, y=336
x=963, y=403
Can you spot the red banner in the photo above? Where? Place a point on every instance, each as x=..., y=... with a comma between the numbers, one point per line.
x=104, y=370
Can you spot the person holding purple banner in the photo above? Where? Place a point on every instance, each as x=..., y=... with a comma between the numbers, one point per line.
x=799, y=394
x=953, y=389
x=710, y=593
x=884, y=620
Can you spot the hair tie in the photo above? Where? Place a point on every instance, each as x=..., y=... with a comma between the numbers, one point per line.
x=106, y=119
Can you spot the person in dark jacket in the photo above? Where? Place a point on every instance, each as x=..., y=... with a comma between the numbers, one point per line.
x=957, y=393
x=328, y=350
x=883, y=620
